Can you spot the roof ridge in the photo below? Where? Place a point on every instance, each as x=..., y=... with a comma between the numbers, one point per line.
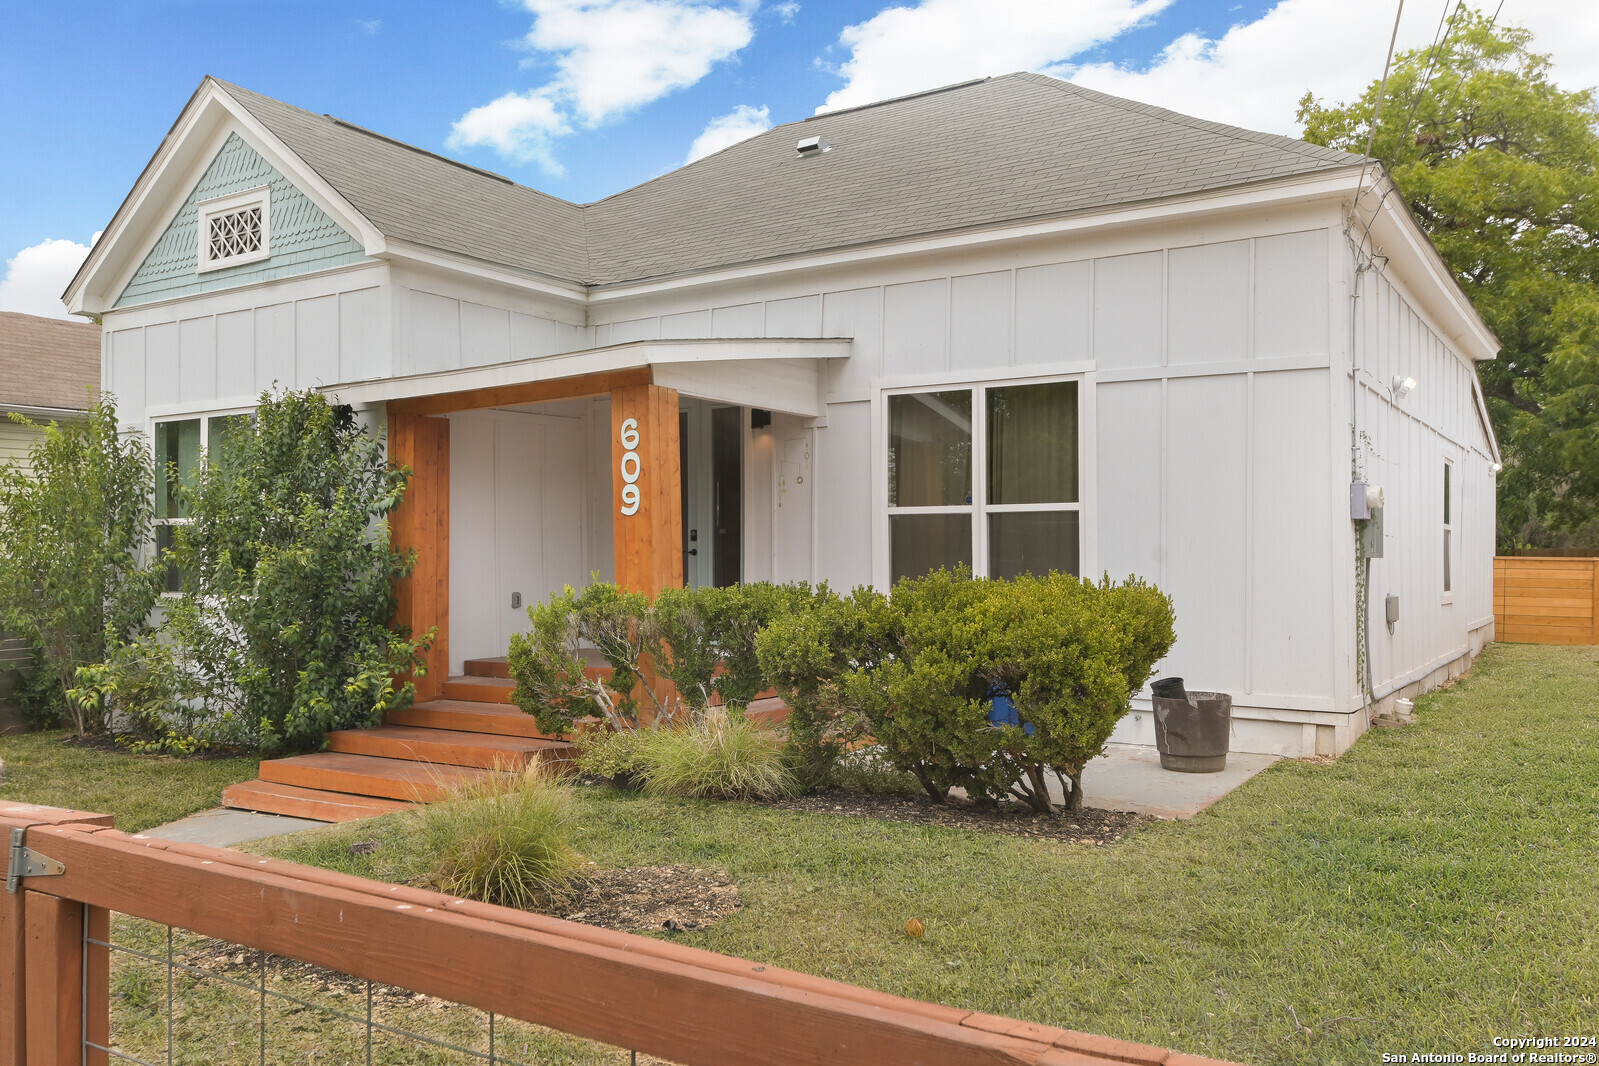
x=901, y=99
x=1223, y=129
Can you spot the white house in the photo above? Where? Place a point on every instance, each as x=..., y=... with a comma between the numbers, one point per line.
x=1011, y=323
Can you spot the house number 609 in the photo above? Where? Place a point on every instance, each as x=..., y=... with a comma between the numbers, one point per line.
x=630, y=466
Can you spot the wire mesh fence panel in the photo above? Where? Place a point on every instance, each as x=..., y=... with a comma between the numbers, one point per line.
x=178, y=998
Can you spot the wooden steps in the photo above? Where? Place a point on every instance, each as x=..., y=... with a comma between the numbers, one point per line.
x=469, y=716
x=297, y=802
x=448, y=747
x=419, y=753
x=476, y=689
x=368, y=775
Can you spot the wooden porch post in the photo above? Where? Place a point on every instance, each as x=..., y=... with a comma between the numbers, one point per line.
x=647, y=486
x=422, y=521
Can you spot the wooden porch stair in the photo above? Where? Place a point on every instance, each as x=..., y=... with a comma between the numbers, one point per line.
x=416, y=755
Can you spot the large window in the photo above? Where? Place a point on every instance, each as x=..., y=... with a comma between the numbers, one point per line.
x=179, y=446
x=984, y=476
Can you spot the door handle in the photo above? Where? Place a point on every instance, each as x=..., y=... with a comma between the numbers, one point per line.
x=693, y=551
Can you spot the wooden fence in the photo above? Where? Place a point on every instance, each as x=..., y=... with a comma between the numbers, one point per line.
x=1546, y=600
x=683, y=1004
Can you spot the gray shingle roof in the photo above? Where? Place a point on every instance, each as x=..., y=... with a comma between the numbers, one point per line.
x=48, y=362
x=1022, y=146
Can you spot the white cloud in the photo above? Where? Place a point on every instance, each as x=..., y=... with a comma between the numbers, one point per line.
x=369, y=26
x=786, y=10
x=610, y=57
x=739, y=124
x=36, y=277
x=1255, y=73
x=517, y=125
x=907, y=49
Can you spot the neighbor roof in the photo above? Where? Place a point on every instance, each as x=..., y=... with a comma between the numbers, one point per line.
x=1022, y=146
x=48, y=362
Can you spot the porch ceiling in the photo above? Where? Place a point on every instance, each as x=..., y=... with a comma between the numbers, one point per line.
x=780, y=374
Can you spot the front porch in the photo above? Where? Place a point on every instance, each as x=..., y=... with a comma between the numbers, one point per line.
x=656, y=468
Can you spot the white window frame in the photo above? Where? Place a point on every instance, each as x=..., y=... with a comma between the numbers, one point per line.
x=153, y=428
x=978, y=383
x=1450, y=526
x=223, y=205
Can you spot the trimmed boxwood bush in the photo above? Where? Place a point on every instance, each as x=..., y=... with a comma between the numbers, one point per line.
x=916, y=671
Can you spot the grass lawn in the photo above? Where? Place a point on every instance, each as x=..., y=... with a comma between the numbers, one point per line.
x=141, y=790
x=1431, y=890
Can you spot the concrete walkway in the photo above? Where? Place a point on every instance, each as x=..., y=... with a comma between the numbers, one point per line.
x=1128, y=777
x=222, y=828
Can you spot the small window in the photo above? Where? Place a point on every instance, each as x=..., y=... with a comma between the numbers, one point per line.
x=179, y=447
x=234, y=229
x=1449, y=529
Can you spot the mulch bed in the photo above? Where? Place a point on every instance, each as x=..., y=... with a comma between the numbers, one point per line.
x=652, y=898
x=1088, y=826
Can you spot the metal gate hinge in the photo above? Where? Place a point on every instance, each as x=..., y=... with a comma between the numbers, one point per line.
x=27, y=863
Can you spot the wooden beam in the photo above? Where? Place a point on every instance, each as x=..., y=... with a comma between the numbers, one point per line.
x=528, y=392
x=680, y=1003
x=422, y=522
x=646, y=497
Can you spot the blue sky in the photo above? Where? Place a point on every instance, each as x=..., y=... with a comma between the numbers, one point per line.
x=582, y=98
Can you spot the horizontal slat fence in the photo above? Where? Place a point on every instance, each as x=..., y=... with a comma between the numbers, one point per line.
x=1546, y=599
x=679, y=1003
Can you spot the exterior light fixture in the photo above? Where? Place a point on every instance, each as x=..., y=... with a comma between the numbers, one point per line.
x=1496, y=467
x=1402, y=387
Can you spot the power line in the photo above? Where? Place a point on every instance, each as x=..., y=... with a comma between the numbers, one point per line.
x=1376, y=111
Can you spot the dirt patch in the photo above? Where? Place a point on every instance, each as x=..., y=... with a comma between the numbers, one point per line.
x=1089, y=826
x=642, y=899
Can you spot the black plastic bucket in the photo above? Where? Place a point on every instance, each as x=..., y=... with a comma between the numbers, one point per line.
x=1193, y=734
x=1169, y=687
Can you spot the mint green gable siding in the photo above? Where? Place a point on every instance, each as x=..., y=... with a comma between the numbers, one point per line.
x=301, y=236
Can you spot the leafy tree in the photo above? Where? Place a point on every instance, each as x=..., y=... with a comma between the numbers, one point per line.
x=71, y=537
x=1501, y=168
x=282, y=633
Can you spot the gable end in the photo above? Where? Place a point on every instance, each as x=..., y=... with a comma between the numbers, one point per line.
x=302, y=237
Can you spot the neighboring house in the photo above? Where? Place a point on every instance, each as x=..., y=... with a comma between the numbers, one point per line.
x=49, y=371
x=1011, y=323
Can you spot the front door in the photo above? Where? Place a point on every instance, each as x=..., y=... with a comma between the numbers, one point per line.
x=711, y=439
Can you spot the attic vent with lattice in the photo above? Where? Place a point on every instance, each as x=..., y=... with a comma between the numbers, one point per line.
x=234, y=229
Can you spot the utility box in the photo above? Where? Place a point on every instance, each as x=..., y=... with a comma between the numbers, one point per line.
x=1390, y=610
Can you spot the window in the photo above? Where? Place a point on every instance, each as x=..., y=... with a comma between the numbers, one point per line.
x=234, y=229
x=1449, y=530
x=179, y=445
x=983, y=476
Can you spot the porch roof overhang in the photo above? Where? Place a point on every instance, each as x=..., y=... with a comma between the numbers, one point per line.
x=776, y=374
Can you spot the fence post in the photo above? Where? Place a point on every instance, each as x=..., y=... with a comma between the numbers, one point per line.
x=53, y=973
x=12, y=1047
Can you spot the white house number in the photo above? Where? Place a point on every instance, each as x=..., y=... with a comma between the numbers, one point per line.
x=630, y=466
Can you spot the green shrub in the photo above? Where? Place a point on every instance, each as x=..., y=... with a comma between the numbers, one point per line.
x=282, y=634
x=72, y=533
x=925, y=701
x=807, y=652
x=702, y=640
x=719, y=754
x=609, y=753
x=506, y=841
x=916, y=672
x=1071, y=654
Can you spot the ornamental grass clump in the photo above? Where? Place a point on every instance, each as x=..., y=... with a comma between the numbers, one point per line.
x=720, y=754
x=506, y=839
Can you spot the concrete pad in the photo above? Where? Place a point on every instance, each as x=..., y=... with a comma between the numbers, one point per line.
x=223, y=827
x=1128, y=777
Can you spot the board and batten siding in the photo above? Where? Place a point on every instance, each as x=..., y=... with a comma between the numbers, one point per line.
x=300, y=236
x=1404, y=445
x=228, y=358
